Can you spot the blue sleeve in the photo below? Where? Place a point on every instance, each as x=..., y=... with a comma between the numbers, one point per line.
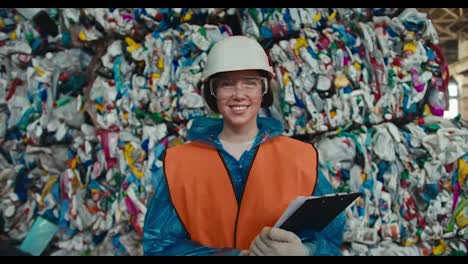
x=328, y=241
x=163, y=231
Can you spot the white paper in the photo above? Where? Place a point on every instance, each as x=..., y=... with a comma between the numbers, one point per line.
x=293, y=206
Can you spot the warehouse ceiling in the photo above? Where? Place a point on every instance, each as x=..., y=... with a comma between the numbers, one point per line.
x=452, y=27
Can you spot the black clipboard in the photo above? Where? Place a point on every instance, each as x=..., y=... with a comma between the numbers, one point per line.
x=317, y=212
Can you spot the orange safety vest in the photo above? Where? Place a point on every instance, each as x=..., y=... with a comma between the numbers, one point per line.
x=203, y=196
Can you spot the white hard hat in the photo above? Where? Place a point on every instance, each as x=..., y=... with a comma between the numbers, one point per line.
x=236, y=53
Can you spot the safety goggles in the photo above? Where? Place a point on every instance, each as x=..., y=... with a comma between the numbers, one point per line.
x=223, y=88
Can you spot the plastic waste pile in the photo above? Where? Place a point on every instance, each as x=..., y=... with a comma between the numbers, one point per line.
x=88, y=105
x=370, y=85
x=340, y=69
x=413, y=181
x=276, y=23
x=91, y=98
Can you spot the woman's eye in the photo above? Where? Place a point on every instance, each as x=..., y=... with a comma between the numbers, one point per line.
x=251, y=83
x=225, y=84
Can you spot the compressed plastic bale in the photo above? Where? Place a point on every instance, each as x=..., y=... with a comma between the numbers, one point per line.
x=366, y=68
x=37, y=126
x=419, y=213
x=270, y=23
x=419, y=208
x=161, y=78
x=336, y=150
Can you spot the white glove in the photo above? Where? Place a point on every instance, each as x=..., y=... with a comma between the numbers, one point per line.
x=277, y=242
x=244, y=253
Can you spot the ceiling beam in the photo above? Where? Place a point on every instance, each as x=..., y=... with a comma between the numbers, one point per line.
x=450, y=25
x=444, y=39
x=462, y=47
x=443, y=15
x=463, y=28
x=445, y=31
x=459, y=66
x=431, y=10
x=450, y=12
x=449, y=20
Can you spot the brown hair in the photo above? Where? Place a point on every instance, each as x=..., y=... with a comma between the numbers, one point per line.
x=267, y=99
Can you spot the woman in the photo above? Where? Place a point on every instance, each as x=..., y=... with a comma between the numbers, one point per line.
x=222, y=192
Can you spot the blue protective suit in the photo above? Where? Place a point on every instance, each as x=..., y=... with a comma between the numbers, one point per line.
x=163, y=232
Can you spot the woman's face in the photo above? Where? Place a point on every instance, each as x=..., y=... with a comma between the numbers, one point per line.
x=239, y=96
